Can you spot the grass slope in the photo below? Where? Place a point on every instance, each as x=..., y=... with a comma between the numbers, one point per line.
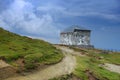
x=33, y=51
x=89, y=66
x=92, y=62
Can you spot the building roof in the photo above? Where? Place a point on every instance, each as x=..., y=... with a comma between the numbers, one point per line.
x=72, y=28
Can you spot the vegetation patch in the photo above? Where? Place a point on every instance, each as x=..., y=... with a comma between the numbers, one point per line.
x=33, y=51
x=91, y=63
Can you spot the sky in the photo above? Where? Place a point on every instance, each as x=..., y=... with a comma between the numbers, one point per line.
x=45, y=19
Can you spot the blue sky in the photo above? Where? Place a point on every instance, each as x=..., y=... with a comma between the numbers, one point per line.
x=45, y=19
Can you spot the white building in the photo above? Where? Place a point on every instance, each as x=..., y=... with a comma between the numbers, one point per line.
x=75, y=35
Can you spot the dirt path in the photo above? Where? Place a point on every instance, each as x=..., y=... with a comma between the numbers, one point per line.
x=68, y=50
x=112, y=67
x=66, y=66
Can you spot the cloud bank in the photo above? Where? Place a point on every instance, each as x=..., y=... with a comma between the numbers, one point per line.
x=21, y=16
x=46, y=18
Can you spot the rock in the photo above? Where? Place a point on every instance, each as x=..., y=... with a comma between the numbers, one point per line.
x=6, y=70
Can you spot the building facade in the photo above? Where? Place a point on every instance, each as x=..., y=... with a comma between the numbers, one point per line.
x=75, y=35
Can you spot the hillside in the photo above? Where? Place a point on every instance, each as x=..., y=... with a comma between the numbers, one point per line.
x=93, y=64
x=26, y=53
x=72, y=63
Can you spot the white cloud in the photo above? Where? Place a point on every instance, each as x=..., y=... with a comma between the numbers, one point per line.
x=50, y=7
x=81, y=11
x=20, y=15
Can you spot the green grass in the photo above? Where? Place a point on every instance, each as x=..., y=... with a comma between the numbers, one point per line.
x=91, y=62
x=113, y=58
x=82, y=66
x=33, y=51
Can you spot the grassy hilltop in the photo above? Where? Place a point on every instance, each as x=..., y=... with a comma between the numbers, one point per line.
x=31, y=52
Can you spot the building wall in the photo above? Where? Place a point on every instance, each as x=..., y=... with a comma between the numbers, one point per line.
x=75, y=38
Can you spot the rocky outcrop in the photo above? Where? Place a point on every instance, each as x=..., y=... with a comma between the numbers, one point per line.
x=6, y=70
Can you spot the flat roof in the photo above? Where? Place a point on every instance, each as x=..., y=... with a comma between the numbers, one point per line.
x=72, y=28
